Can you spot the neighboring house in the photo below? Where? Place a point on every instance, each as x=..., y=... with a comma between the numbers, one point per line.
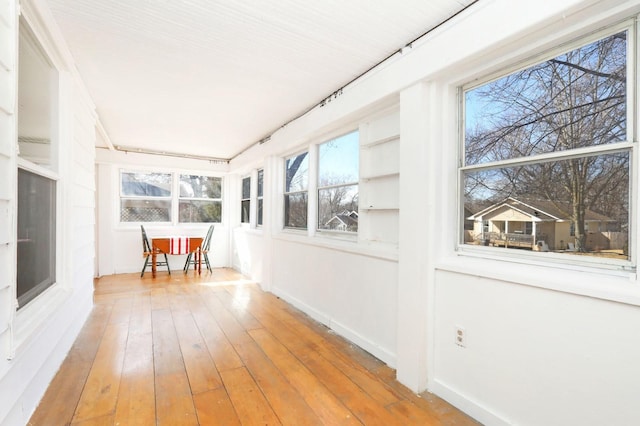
x=540, y=223
x=345, y=221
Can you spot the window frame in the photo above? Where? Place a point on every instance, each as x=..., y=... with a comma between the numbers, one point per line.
x=259, y=197
x=178, y=177
x=175, y=198
x=169, y=198
x=305, y=191
x=245, y=199
x=320, y=187
x=57, y=255
x=629, y=145
x=50, y=166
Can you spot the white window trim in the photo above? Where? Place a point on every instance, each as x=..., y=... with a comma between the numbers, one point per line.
x=305, y=191
x=249, y=221
x=175, y=197
x=259, y=198
x=610, y=267
x=341, y=235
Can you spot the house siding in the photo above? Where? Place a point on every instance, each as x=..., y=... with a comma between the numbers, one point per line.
x=8, y=175
x=44, y=330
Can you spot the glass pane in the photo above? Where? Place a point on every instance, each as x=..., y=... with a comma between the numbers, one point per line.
x=200, y=211
x=259, y=212
x=339, y=160
x=146, y=184
x=145, y=210
x=296, y=173
x=338, y=208
x=578, y=206
x=295, y=210
x=38, y=102
x=575, y=100
x=260, y=182
x=194, y=186
x=246, y=205
x=246, y=187
x=36, y=235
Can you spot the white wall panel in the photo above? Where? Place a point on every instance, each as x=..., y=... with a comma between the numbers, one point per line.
x=535, y=356
x=6, y=130
x=355, y=295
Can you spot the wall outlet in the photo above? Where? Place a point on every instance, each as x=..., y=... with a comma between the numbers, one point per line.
x=460, y=336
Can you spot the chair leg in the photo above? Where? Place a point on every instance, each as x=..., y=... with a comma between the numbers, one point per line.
x=166, y=260
x=186, y=264
x=146, y=261
x=206, y=261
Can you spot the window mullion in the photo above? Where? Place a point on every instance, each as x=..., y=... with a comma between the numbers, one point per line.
x=553, y=156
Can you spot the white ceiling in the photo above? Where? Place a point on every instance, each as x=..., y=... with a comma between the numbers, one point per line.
x=211, y=77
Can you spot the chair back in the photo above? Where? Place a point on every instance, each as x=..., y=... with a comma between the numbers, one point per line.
x=146, y=247
x=207, y=239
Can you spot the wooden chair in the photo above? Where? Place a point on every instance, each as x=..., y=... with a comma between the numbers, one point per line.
x=147, y=252
x=204, y=252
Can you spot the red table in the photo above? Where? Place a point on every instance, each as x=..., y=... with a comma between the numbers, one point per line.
x=164, y=245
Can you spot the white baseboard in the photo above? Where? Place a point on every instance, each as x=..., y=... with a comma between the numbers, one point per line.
x=468, y=405
x=374, y=349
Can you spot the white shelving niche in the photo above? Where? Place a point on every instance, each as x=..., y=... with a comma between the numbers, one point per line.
x=379, y=179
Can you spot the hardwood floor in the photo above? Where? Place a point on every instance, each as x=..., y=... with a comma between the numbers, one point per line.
x=216, y=350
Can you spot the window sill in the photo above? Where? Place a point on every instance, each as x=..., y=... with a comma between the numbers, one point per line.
x=616, y=286
x=32, y=317
x=381, y=251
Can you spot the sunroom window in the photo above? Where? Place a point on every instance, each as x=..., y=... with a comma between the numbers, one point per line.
x=295, y=191
x=245, y=205
x=338, y=170
x=145, y=197
x=260, y=197
x=547, y=155
x=151, y=197
x=200, y=199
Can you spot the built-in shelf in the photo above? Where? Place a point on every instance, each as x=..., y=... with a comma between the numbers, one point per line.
x=380, y=180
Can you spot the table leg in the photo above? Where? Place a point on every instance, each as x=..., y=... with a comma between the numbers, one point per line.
x=153, y=263
x=199, y=262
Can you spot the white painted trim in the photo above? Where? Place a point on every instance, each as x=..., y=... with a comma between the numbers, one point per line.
x=469, y=406
x=594, y=283
x=375, y=250
x=378, y=351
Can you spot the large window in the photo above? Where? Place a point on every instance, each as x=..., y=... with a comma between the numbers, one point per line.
x=200, y=199
x=145, y=197
x=150, y=197
x=245, y=204
x=547, y=154
x=338, y=169
x=36, y=235
x=295, y=191
x=38, y=171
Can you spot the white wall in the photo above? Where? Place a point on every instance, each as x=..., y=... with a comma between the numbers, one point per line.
x=535, y=356
x=44, y=330
x=120, y=244
x=544, y=345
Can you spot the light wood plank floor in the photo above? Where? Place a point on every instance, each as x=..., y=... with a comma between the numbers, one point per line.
x=216, y=350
